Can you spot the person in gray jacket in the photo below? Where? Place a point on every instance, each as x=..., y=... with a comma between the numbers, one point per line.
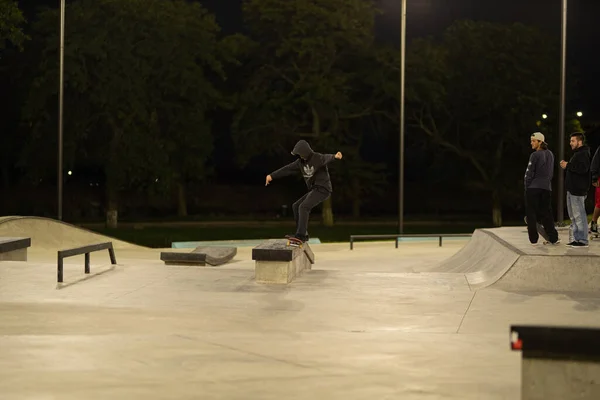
x=538, y=190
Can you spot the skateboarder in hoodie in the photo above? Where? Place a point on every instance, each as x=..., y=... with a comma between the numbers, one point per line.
x=313, y=167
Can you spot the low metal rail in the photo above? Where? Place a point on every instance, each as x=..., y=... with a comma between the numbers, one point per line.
x=84, y=250
x=398, y=236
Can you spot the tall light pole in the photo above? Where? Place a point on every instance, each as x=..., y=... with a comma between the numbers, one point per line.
x=561, y=118
x=401, y=155
x=60, y=108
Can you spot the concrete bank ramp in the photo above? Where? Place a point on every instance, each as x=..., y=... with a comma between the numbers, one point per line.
x=51, y=234
x=502, y=258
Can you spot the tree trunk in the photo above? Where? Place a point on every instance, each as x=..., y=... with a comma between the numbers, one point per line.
x=112, y=206
x=181, y=200
x=496, y=208
x=327, y=213
x=111, y=169
x=356, y=201
x=5, y=178
x=356, y=208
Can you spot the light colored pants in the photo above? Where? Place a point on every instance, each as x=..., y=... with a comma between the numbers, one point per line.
x=578, y=230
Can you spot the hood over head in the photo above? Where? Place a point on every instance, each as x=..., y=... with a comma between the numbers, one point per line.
x=303, y=150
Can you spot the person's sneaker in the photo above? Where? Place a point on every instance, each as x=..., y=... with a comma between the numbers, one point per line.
x=578, y=245
x=534, y=244
x=553, y=243
x=304, y=239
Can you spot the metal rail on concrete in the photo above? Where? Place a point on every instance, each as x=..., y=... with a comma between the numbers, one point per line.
x=84, y=250
x=398, y=236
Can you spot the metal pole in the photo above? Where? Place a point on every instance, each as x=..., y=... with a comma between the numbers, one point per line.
x=401, y=155
x=561, y=118
x=60, y=109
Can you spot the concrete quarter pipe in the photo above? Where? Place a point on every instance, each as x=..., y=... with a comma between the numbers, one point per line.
x=504, y=259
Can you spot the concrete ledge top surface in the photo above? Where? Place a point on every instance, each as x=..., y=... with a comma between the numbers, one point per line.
x=181, y=256
x=277, y=250
x=13, y=243
x=515, y=238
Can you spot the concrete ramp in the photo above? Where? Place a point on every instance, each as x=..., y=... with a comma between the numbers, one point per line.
x=50, y=234
x=503, y=258
x=484, y=259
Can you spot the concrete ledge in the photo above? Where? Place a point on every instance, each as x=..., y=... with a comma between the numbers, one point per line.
x=275, y=262
x=14, y=248
x=179, y=258
x=200, y=256
x=558, y=363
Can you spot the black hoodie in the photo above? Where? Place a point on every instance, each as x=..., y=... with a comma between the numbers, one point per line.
x=578, y=177
x=313, y=166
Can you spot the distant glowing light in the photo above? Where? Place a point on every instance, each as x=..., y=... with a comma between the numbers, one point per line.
x=579, y=114
x=545, y=116
x=70, y=172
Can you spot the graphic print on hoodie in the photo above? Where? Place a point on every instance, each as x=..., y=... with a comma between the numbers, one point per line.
x=311, y=164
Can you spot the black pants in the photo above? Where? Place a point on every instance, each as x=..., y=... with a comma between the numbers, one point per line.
x=538, y=203
x=304, y=205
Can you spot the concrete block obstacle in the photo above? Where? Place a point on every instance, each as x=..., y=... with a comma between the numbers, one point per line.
x=558, y=362
x=200, y=256
x=278, y=263
x=14, y=248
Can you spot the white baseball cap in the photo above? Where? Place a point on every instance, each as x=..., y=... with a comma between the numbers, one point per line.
x=539, y=136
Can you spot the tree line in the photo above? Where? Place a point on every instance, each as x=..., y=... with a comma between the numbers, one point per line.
x=145, y=79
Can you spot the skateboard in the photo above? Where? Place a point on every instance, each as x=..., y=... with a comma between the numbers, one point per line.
x=294, y=242
x=541, y=231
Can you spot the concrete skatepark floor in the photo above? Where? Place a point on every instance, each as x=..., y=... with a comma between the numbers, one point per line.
x=372, y=323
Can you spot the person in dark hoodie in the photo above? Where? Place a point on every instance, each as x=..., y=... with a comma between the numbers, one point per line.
x=538, y=190
x=313, y=167
x=577, y=184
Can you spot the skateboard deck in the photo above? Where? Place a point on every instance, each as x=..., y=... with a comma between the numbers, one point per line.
x=294, y=242
x=541, y=231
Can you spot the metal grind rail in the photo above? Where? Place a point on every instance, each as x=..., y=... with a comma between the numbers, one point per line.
x=397, y=237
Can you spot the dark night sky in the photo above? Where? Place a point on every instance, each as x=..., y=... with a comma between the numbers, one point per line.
x=430, y=17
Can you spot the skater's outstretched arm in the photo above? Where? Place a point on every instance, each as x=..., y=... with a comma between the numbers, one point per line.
x=284, y=171
x=327, y=158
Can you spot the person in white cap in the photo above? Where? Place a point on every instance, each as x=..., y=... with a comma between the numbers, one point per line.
x=538, y=190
